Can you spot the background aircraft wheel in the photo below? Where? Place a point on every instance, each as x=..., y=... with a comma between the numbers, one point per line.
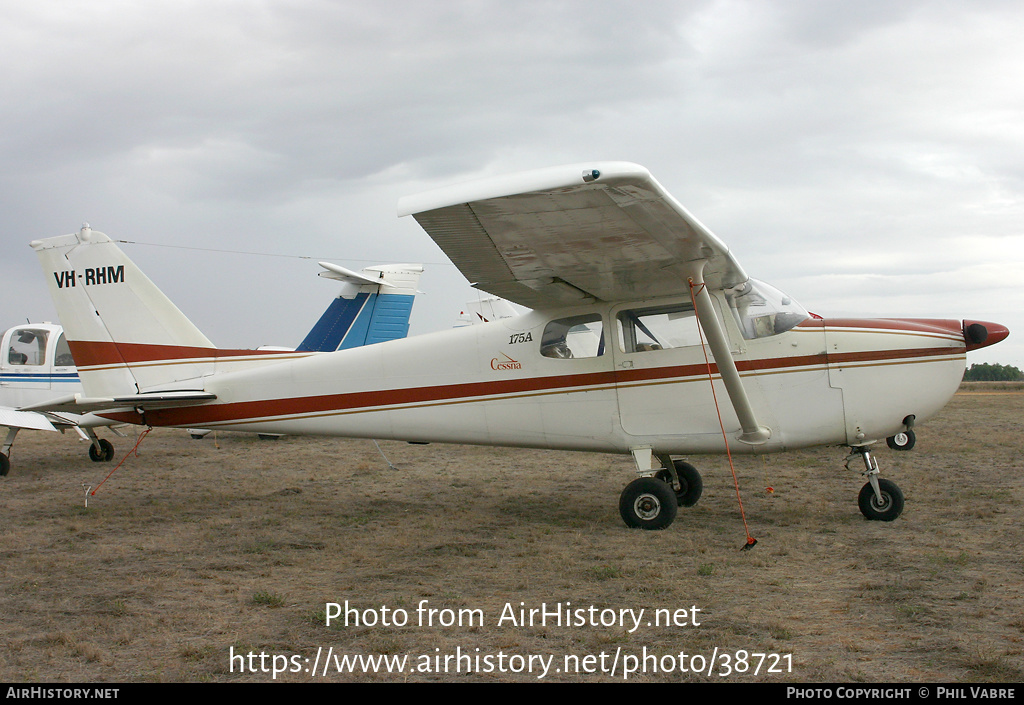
x=902, y=441
x=104, y=454
x=892, y=501
x=648, y=503
x=691, y=486
x=5, y=465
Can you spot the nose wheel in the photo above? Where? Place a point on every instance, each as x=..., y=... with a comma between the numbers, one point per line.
x=886, y=505
x=879, y=500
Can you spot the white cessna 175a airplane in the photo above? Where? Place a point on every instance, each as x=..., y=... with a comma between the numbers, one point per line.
x=610, y=359
x=37, y=366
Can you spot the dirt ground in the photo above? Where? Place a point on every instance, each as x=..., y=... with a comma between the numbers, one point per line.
x=218, y=560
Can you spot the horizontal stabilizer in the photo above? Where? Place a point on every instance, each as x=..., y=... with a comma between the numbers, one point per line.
x=24, y=419
x=81, y=404
x=335, y=271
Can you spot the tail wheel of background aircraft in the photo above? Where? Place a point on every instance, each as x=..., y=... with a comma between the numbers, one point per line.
x=5, y=465
x=648, y=503
x=691, y=486
x=888, y=509
x=902, y=441
x=104, y=454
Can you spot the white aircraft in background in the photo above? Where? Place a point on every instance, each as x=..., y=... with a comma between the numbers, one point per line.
x=484, y=311
x=597, y=250
x=37, y=366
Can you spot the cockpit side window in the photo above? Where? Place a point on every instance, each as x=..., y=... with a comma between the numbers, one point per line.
x=28, y=347
x=573, y=337
x=658, y=328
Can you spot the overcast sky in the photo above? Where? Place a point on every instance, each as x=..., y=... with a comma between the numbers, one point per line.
x=865, y=157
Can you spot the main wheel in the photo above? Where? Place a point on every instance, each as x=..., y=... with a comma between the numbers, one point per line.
x=5, y=465
x=648, y=503
x=691, y=486
x=104, y=454
x=890, y=507
x=902, y=441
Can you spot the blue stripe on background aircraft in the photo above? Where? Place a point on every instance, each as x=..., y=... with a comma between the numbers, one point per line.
x=37, y=366
x=625, y=286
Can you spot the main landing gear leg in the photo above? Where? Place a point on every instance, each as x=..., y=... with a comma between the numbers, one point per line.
x=652, y=500
x=685, y=480
x=879, y=500
x=100, y=449
x=647, y=502
x=5, y=455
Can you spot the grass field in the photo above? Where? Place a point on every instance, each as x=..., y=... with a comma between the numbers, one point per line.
x=195, y=550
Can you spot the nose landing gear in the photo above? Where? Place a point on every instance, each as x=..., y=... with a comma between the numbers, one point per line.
x=879, y=500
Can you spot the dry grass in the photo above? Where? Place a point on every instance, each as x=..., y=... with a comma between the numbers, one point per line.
x=191, y=549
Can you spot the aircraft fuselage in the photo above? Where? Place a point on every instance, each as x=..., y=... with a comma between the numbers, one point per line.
x=626, y=385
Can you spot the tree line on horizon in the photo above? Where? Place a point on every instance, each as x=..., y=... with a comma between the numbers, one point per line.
x=986, y=372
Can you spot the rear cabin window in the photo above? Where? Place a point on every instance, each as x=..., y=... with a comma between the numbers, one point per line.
x=62, y=354
x=574, y=337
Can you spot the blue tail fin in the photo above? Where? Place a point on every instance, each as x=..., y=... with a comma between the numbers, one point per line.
x=374, y=306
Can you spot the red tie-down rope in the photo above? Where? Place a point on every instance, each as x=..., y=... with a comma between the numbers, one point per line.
x=133, y=450
x=751, y=541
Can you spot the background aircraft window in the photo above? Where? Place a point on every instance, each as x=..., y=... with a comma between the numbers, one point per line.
x=658, y=328
x=28, y=347
x=761, y=310
x=575, y=337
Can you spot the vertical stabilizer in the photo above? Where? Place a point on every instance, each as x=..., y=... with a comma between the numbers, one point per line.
x=123, y=331
x=374, y=306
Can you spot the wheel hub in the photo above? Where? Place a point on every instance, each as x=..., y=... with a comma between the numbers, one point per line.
x=647, y=506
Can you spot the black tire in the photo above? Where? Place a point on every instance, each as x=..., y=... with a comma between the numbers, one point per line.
x=892, y=501
x=104, y=455
x=902, y=441
x=648, y=503
x=5, y=465
x=691, y=485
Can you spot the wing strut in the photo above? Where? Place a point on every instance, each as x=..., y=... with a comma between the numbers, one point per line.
x=753, y=432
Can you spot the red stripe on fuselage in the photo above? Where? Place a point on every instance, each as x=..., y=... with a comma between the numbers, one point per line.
x=89, y=353
x=248, y=411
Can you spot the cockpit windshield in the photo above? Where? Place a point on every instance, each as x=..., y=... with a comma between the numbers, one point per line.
x=761, y=310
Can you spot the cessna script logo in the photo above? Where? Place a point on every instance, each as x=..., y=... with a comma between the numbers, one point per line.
x=92, y=276
x=497, y=363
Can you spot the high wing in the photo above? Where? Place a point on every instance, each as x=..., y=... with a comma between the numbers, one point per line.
x=553, y=237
